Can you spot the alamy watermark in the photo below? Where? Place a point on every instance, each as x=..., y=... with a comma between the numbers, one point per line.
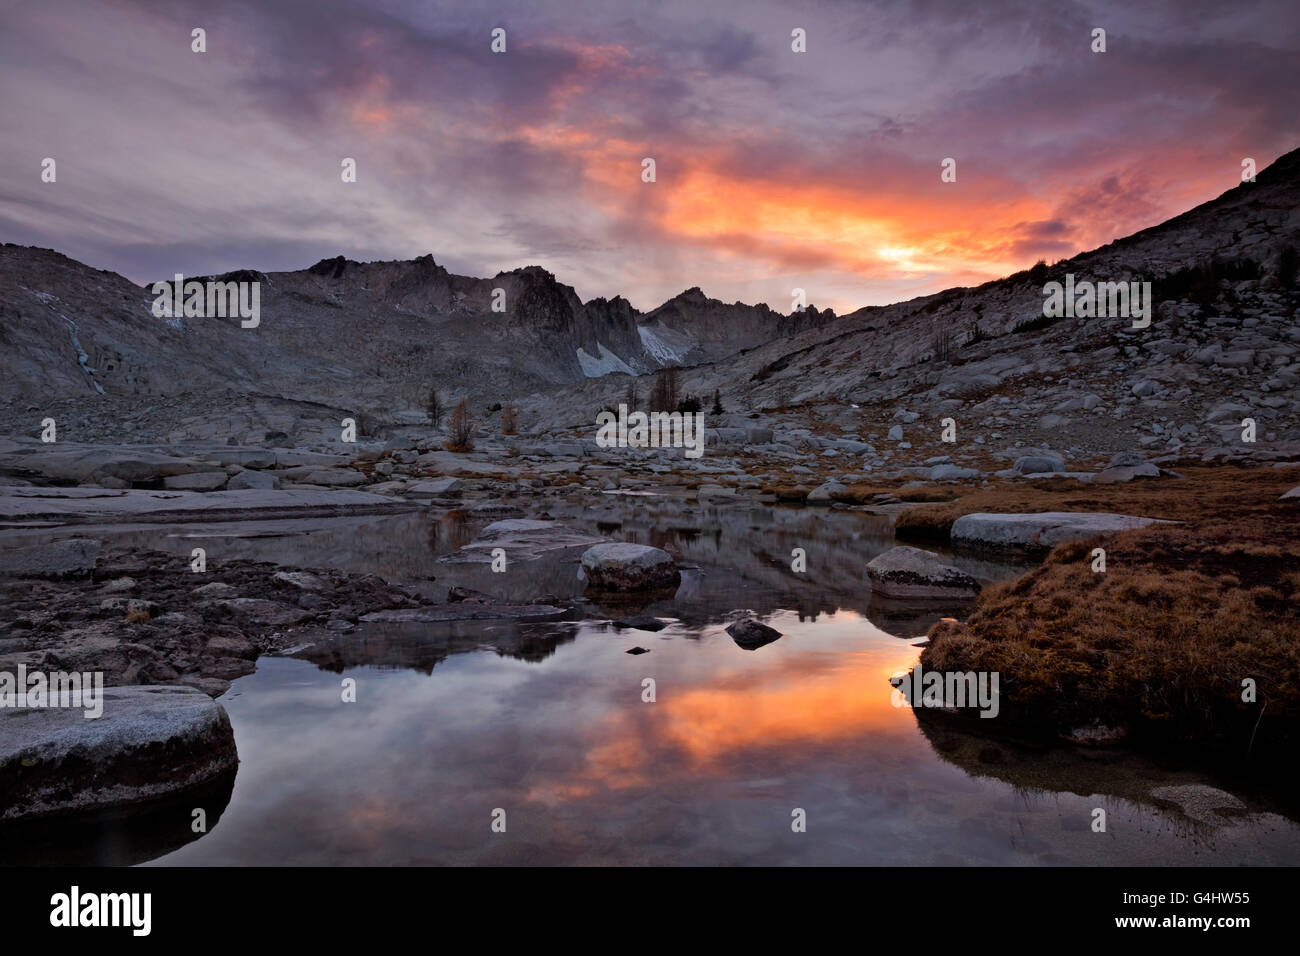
x=58, y=689
x=651, y=430
x=1098, y=300
x=947, y=690
x=211, y=300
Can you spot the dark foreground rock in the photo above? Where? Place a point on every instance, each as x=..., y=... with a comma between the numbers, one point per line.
x=640, y=622
x=150, y=742
x=751, y=634
x=621, y=566
x=73, y=557
x=144, y=617
x=905, y=572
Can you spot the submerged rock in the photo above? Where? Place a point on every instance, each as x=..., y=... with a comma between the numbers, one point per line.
x=750, y=634
x=622, y=566
x=904, y=572
x=522, y=539
x=641, y=623
x=150, y=742
x=1200, y=802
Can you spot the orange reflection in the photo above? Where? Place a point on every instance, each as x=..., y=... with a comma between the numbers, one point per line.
x=807, y=701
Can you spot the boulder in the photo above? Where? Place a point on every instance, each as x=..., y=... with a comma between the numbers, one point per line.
x=253, y=479
x=825, y=493
x=435, y=488
x=197, y=481
x=1291, y=495
x=1037, y=465
x=895, y=433
x=758, y=436
x=1039, y=532
x=905, y=572
x=335, y=478
x=1122, y=473
x=751, y=635
x=622, y=566
x=1125, y=459
x=950, y=472
x=149, y=742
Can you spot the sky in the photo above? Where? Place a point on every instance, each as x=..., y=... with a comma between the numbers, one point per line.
x=774, y=169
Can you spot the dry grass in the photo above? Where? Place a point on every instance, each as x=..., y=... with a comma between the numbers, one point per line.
x=1203, y=493
x=1162, y=641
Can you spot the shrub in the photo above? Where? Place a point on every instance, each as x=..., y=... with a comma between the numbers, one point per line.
x=433, y=407
x=509, y=420
x=462, y=428
x=663, y=398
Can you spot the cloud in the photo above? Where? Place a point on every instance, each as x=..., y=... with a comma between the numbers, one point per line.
x=774, y=168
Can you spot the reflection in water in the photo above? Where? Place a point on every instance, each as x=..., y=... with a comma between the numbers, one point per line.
x=710, y=772
x=548, y=721
x=119, y=837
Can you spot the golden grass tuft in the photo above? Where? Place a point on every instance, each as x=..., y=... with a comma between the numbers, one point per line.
x=1163, y=639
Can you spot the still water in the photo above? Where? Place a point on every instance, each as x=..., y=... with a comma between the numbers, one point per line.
x=546, y=727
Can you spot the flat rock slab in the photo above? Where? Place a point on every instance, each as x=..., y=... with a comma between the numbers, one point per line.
x=66, y=461
x=93, y=506
x=904, y=572
x=150, y=742
x=466, y=611
x=522, y=539
x=1122, y=473
x=434, y=488
x=74, y=557
x=1039, y=532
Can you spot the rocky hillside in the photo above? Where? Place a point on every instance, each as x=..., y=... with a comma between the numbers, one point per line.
x=344, y=337
x=1222, y=345
x=338, y=337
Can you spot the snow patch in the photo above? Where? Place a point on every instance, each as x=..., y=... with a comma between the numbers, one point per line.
x=658, y=345
x=594, y=366
x=82, y=358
